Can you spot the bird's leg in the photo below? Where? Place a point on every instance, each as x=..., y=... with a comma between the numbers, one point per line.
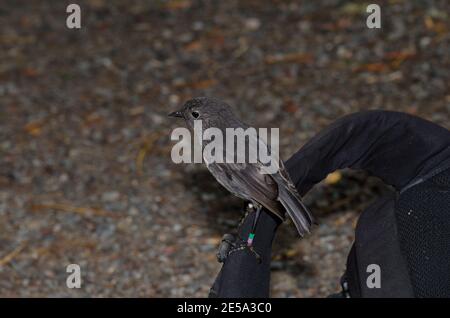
x=229, y=242
x=251, y=235
x=248, y=208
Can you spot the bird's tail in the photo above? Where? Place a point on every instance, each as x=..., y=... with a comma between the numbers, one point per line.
x=298, y=212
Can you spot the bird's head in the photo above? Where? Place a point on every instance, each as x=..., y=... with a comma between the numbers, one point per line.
x=210, y=111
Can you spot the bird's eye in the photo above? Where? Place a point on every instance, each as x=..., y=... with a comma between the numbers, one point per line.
x=195, y=114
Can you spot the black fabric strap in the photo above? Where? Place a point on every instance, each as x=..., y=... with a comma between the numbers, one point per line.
x=396, y=147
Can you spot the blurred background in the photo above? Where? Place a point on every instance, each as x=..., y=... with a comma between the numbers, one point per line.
x=85, y=169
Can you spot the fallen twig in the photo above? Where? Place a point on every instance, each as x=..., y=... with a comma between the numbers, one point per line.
x=11, y=255
x=144, y=150
x=303, y=58
x=85, y=211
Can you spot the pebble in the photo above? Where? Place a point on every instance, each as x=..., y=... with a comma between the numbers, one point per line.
x=110, y=196
x=252, y=24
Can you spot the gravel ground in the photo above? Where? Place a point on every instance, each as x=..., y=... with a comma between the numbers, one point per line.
x=85, y=169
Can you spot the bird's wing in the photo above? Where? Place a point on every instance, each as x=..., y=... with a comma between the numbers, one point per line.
x=287, y=192
x=292, y=202
x=245, y=176
x=265, y=183
x=246, y=181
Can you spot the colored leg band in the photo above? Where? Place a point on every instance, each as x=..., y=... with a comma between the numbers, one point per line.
x=250, y=239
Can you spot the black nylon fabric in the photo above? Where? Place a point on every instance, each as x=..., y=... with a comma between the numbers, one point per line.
x=423, y=220
x=376, y=242
x=398, y=148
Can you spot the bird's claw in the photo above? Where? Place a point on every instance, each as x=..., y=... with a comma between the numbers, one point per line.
x=252, y=250
x=229, y=246
x=225, y=247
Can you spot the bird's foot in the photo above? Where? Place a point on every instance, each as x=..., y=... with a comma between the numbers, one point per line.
x=255, y=253
x=230, y=245
x=225, y=247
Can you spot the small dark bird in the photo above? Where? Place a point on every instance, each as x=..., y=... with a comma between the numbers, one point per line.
x=275, y=191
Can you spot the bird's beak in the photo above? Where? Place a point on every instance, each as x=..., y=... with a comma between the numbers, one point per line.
x=177, y=113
